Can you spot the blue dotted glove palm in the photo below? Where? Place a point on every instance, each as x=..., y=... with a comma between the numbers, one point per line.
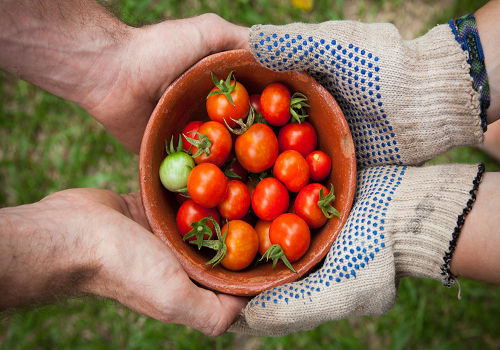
x=403, y=223
x=405, y=101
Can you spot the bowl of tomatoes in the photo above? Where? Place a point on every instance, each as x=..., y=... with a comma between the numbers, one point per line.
x=184, y=110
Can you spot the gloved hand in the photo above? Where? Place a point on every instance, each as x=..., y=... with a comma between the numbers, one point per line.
x=405, y=101
x=405, y=222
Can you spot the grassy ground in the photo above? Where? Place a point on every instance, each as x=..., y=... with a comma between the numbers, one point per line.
x=47, y=144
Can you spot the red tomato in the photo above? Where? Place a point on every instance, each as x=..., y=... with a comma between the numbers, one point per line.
x=250, y=219
x=250, y=186
x=291, y=233
x=299, y=137
x=242, y=245
x=320, y=165
x=236, y=168
x=207, y=185
x=193, y=126
x=270, y=199
x=262, y=229
x=291, y=206
x=255, y=102
x=306, y=205
x=221, y=143
x=257, y=148
x=190, y=212
x=180, y=198
x=236, y=203
x=292, y=169
x=275, y=104
x=219, y=108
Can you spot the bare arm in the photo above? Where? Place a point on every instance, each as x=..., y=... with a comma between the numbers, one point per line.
x=77, y=50
x=477, y=256
x=488, y=25
x=96, y=241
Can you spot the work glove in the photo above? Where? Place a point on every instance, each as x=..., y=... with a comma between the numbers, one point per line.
x=405, y=222
x=405, y=101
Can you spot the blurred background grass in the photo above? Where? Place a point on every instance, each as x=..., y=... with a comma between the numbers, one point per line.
x=48, y=144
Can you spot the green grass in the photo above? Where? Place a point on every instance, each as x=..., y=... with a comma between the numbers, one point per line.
x=47, y=144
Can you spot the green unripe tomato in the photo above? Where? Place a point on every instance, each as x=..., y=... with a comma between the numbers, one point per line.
x=175, y=169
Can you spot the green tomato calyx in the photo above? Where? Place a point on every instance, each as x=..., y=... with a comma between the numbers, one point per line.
x=275, y=252
x=200, y=229
x=325, y=205
x=219, y=244
x=203, y=144
x=243, y=126
x=297, y=107
x=225, y=87
x=172, y=149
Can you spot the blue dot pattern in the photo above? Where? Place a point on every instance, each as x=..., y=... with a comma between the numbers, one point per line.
x=351, y=75
x=359, y=242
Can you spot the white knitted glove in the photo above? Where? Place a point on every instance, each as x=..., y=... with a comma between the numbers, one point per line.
x=405, y=101
x=405, y=222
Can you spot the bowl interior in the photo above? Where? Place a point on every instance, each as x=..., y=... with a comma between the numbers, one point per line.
x=183, y=102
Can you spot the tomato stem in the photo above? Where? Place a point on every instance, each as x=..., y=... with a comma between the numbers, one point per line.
x=275, y=252
x=218, y=244
x=297, y=107
x=203, y=144
x=225, y=88
x=172, y=149
x=325, y=205
x=200, y=229
x=243, y=126
x=225, y=169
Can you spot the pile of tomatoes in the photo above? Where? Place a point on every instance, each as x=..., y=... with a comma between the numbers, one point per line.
x=262, y=183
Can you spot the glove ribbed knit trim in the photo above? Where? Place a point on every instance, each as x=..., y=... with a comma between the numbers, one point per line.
x=449, y=279
x=465, y=30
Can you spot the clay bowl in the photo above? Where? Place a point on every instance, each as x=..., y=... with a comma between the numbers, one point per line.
x=183, y=102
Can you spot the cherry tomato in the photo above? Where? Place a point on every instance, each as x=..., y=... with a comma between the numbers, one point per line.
x=292, y=169
x=262, y=229
x=320, y=165
x=193, y=126
x=242, y=245
x=236, y=203
x=299, y=137
x=249, y=219
x=207, y=185
x=250, y=186
x=306, y=205
x=255, y=102
x=292, y=234
x=232, y=165
x=257, y=148
x=175, y=169
x=219, y=108
x=291, y=206
x=270, y=199
x=275, y=104
x=180, y=198
x=190, y=212
x=221, y=143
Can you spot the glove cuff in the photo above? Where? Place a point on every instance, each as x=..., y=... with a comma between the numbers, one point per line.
x=465, y=30
x=427, y=223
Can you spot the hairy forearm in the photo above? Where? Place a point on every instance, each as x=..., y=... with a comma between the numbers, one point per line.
x=62, y=46
x=488, y=25
x=38, y=260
